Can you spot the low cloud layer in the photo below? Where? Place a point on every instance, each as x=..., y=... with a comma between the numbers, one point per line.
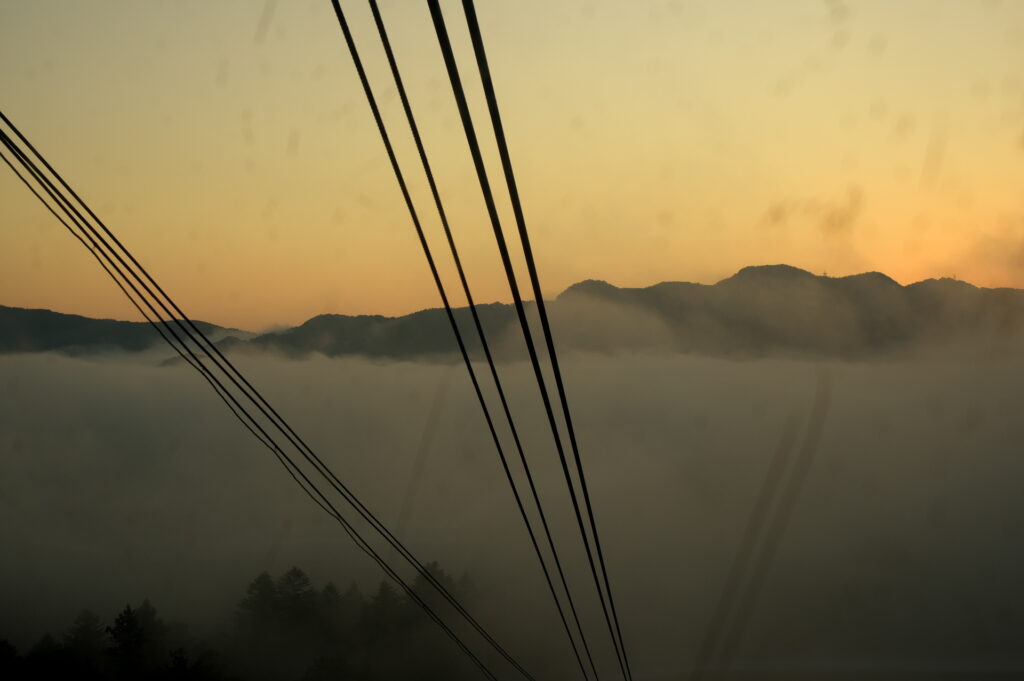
x=122, y=480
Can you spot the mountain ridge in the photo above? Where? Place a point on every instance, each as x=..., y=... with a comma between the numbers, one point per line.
x=38, y=330
x=761, y=310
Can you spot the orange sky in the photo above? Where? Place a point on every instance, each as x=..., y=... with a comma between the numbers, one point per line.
x=653, y=141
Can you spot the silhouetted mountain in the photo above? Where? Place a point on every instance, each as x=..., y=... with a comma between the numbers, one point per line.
x=782, y=310
x=23, y=330
x=423, y=333
x=772, y=310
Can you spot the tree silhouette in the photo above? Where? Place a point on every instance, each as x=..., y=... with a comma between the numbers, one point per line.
x=282, y=629
x=260, y=600
x=86, y=636
x=138, y=637
x=297, y=601
x=84, y=644
x=11, y=666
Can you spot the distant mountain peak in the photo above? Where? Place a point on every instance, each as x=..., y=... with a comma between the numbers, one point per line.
x=589, y=287
x=946, y=283
x=770, y=272
x=877, y=277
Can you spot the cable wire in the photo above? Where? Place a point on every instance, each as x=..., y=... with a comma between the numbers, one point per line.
x=517, y=208
x=74, y=215
x=271, y=414
x=157, y=326
x=467, y=122
x=414, y=128
x=294, y=471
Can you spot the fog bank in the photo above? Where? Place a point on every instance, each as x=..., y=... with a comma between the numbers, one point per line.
x=122, y=480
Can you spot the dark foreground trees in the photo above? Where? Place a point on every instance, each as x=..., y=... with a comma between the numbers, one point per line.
x=282, y=629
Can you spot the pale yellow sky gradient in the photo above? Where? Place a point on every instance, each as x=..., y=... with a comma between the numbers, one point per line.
x=653, y=141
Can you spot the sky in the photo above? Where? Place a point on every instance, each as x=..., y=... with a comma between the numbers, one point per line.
x=230, y=147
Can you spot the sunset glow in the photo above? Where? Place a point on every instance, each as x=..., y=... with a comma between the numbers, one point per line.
x=230, y=146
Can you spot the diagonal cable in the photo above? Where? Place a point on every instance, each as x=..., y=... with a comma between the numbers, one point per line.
x=199, y=339
x=517, y=208
x=414, y=128
x=294, y=471
x=474, y=146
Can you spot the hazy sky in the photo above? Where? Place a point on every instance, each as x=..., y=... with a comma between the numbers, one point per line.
x=230, y=146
